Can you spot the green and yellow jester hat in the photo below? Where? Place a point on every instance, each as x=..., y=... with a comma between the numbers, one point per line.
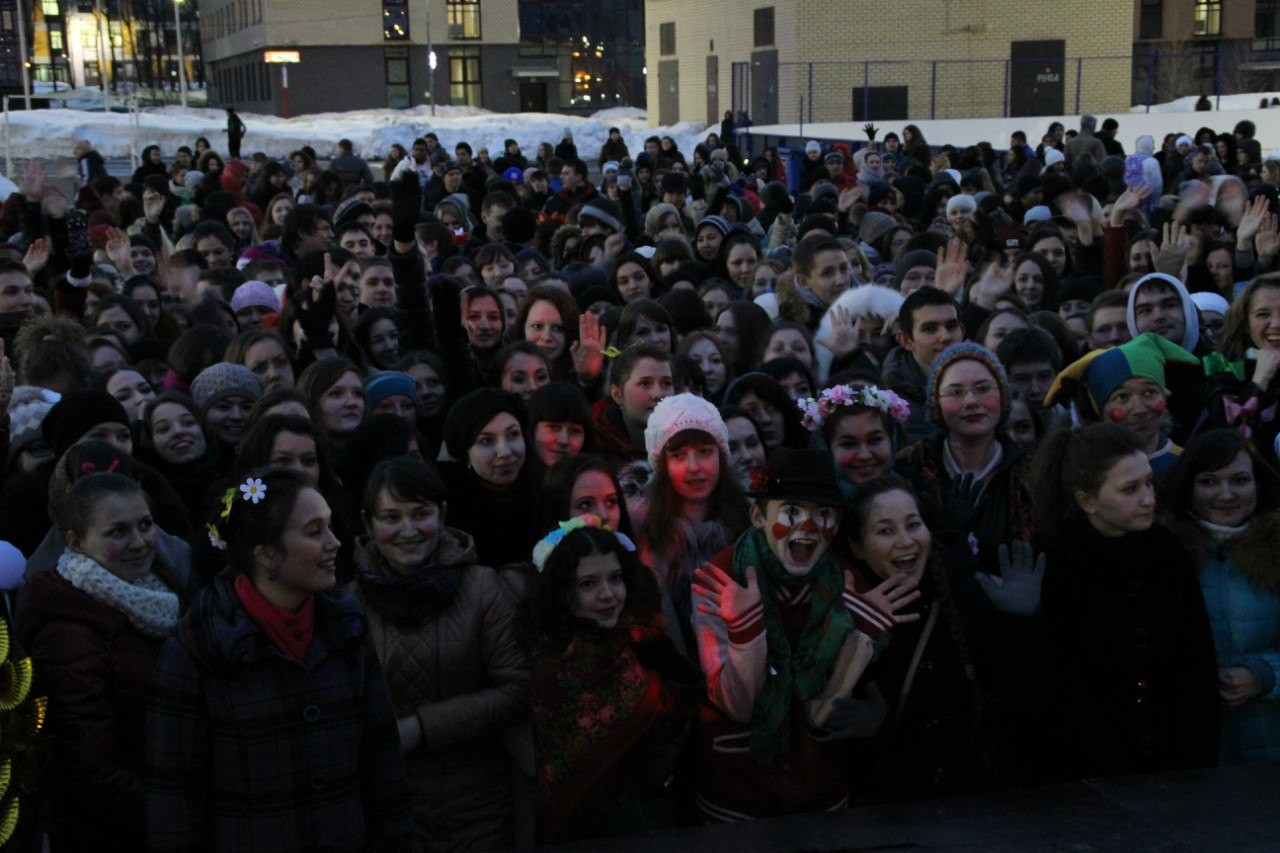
x=1101, y=372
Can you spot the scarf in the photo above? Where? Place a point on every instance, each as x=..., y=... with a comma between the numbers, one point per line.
x=868, y=176
x=290, y=633
x=147, y=603
x=809, y=296
x=409, y=600
x=803, y=672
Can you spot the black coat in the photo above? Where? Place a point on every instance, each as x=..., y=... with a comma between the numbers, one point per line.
x=1131, y=654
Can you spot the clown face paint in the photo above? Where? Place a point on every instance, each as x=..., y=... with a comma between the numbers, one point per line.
x=799, y=532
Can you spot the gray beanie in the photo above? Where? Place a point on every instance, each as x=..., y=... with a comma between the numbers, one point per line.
x=27, y=410
x=223, y=380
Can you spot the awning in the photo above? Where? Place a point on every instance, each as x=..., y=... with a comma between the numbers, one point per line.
x=535, y=72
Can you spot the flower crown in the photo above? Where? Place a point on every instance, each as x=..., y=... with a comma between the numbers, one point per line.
x=543, y=549
x=816, y=410
x=252, y=490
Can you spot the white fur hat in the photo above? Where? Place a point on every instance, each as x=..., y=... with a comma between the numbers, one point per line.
x=676, y=414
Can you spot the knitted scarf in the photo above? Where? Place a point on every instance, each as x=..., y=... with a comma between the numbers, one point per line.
x=409, y=600
x=800, y=673
x=147, y=603
x=289, y=632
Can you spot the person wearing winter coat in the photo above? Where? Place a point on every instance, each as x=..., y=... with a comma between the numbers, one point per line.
x=94, y=627
x=446, y=634
x=1131, y=655
x=614, y=148
x=269, y=726
x=1225, y=506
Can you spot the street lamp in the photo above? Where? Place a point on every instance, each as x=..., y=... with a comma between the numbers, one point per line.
x=431, y=64
x=182, y=64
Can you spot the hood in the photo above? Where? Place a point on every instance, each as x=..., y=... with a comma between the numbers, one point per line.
x=1192, y=335
x=1145, y=145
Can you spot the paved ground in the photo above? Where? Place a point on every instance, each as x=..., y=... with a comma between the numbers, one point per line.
x=1199, y=812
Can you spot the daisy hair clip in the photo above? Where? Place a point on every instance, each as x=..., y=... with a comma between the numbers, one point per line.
x=543, y=549
x=818, y=409
x=252, y=490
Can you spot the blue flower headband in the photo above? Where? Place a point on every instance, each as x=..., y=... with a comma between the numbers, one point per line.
x=543, y=549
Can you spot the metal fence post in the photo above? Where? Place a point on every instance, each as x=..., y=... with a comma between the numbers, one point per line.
x=1005, y=99
x=1217, y=78
x=810, y=93
x=1151, y=80
x=1079, y=74
x=933, y=90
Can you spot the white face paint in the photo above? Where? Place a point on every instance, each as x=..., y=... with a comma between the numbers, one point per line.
x=799, y=532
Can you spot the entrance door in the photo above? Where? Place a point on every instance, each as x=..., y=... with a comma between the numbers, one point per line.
x=533, y=97
x=1036, y=73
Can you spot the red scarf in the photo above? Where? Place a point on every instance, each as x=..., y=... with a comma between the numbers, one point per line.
x=289, y=632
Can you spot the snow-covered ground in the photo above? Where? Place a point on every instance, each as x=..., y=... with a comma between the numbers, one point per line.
x=1175, y=117
x=53, y=132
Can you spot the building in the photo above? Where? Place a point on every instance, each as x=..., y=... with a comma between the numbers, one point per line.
x=122, y=46
x=804, y=60
x=535, y=55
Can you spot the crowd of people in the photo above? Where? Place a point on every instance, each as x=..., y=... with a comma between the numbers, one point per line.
x=457, y=503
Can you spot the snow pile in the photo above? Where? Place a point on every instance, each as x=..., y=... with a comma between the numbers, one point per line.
x=53, y=132
x=1247, y=101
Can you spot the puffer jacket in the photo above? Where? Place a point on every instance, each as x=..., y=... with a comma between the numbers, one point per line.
x=1241, y=586
x=94, y=667
x=250, y=750
x=465, y=674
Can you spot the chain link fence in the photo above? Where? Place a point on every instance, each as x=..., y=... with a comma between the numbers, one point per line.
x=885, y=90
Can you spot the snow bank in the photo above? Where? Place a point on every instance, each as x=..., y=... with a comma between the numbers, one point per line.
x=53, y=132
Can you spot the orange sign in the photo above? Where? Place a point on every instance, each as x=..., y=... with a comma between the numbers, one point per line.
x=281, y=56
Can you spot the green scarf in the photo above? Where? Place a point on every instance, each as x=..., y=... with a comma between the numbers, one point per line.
x=801, y=673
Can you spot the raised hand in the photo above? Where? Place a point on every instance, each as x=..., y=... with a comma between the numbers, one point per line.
x=1267, y=241
x=31, y=184
x=119, y=250
x=152, y=205
x=37, y=256
x=845, y=330
x=588, y=350
x=1017, y=590
x=1131, y=199
x=1255, y=214
x=996, y=280
x=953, y=266
x=870, y=130
x=891, y=597
x=715, y=593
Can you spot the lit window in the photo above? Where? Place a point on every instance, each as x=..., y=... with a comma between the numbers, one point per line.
x=1208, y=18
x=464, y=19
x=395, y=20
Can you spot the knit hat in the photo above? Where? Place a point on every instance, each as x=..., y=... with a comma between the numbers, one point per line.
x=389, y=383
x=911, y=260
x=1183, y=139
x=351, y=210
x=834, y=157
x=143, y=241
x=718, y=222
x=1052, y=157
x=470, y=414
x=259, y=253
x=222, y=380
x=77, y=413
x=1039, y=213
x=1207, y=301
x=1147, y=356
x=961, y=201
x=253, y=293
x=874, y=226
x=877, y=191
x=530, y=173
x=604, y=210
x=966, y=350
x=812, y=145
x=1011, y=235
x=27, y=410
x=452, y=166
x=774, y=194
x=513, y=175
x=676, y=414
x=610, y=166
x=798, y=475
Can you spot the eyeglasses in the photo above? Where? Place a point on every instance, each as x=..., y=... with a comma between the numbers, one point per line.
x=959, y=393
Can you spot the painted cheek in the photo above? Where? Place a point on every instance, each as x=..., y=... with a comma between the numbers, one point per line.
x=384, y=533
x=113, y=549
x=1161, y=406
x=780, y=530
x=1117, y=414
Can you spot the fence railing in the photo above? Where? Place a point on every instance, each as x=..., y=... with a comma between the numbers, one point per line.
x=878, y=90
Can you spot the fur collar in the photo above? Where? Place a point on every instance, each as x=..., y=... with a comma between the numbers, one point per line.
x=1252, y=553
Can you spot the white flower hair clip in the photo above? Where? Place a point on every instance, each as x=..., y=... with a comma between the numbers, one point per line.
x=253, y=489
